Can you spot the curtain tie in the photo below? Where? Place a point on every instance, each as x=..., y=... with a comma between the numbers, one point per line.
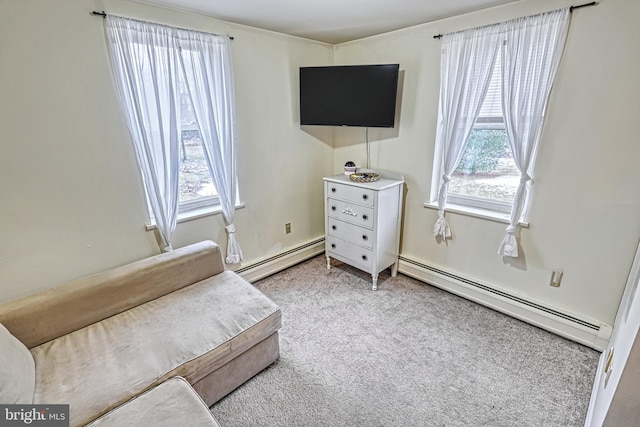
x=234, y=253
x=441, y=227
x=524, y=177
x=509, y=245
x=446, y=178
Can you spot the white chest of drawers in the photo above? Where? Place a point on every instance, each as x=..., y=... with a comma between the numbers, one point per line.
x=362, y=222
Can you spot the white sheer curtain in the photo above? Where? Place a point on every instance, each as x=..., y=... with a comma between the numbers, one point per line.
x=530, y=59
x=208, y=72
x=467, y=61
x=145, y=68
x=148, y=62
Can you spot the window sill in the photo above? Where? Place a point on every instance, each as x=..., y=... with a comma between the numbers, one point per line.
x=195, y=214
x=476, y=213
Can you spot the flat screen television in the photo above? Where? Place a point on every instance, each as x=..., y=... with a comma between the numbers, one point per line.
x=349, y=95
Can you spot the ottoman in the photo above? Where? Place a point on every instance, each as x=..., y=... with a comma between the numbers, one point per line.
x=172, y=403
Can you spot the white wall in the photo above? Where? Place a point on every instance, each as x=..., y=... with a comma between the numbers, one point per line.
x=585, y=217
x=71, y=201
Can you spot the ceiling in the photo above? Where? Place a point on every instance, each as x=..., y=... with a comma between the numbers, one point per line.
x=330, y=21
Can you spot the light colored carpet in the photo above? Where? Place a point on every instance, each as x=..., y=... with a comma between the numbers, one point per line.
x=406, y=355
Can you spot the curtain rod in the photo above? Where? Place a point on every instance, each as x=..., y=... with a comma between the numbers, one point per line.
x=571, y=9
x=104, y=15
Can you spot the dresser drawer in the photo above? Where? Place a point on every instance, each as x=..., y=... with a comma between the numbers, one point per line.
x=362, y=196
x=356, y=255
x=350, y=212
x=350, y=232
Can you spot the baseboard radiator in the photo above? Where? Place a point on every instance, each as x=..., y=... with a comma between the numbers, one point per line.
x=589, y=333
x=570, y=326
x=270, y=265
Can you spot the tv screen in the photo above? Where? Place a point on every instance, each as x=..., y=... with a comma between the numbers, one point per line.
x=349, y=95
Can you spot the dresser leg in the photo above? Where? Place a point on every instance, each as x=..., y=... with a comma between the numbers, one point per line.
x=394, y=269
x=374, y=286
x=328, y=263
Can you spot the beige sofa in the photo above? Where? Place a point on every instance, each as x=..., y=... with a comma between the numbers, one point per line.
x=105, y=340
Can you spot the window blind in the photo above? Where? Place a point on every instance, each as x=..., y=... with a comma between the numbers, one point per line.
x=491, y=110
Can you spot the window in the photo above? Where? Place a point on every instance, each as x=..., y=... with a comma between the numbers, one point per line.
x=165, y=77
x=472, y=161
x=487, y=176
x=196, y=188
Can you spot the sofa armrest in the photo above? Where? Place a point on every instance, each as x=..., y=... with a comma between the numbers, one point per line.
x=47, y=315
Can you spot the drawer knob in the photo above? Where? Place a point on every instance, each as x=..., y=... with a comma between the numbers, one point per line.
x=333, y=245
x=364, y=257
x=333, y=227
x=365, y=217
x=333, y=208
x=365, y=197
x=333, y=189
x=365, y=237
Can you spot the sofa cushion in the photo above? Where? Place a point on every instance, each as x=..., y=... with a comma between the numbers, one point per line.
x=187, y=333
x=17, y=370
x=172, y=403
x=44, y=316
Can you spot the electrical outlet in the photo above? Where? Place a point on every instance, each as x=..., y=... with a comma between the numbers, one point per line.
x=608, y=367
x=287, y=228
x=556, y=278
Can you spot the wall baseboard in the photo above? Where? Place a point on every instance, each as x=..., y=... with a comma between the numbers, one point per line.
x=281, y=261
x=591, y=334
